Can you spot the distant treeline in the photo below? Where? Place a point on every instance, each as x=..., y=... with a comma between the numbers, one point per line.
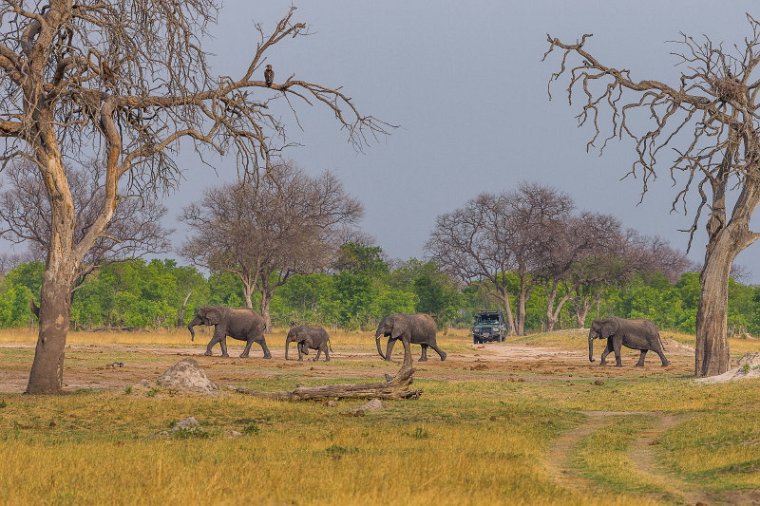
x=161, y=293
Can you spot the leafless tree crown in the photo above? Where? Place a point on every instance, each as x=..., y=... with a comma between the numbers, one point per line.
x=134, y=231
x=534, y=233
x=131, y=77
x=709, y=119
x=263, y=233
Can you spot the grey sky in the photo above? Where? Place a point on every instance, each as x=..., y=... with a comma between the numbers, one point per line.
x=465, y=83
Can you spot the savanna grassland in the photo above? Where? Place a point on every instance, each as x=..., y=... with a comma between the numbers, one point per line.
x=527, y=421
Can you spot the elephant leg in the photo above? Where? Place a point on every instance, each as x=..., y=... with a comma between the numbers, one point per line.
x=617, y=343
x=643, y=355
x=221, y=334
x=263, y=343
x=389, y=349
x=223, y=344
x=665, y=361
x=439, y=351
x=319, y=351
x=407, y=353
x=327, y=352
x=607, y=351
x=300, y=347
x=210, y=346
x=423, y=358
x=247, y=349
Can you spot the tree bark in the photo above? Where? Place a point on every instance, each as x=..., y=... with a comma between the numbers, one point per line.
x=581, y=311
x=552, y=313
x=266, y=300
x=248, y=295
x=522, y=297
x=181, y=312
x=712, y=354
x=46, y=375
x=504, y=300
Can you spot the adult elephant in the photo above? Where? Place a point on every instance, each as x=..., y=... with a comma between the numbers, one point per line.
x=242, y=324
x=410, y=328
x=305, y=337
x=635, y=334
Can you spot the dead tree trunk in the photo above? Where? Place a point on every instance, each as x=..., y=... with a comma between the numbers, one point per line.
x=522, y=299
x=727, y=238
x=503, y=298
x=553, y=313
x=712, y=354
x=396, y=387
x=46, y=376
x=181, y=312
x=582, y=306
x=266, y=300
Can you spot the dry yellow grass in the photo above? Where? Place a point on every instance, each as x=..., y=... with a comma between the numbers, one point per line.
x=477, y=435
x=181, y=337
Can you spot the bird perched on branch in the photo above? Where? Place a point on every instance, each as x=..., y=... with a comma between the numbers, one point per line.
x=269, y=76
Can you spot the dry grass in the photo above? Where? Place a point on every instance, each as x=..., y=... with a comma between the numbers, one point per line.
x=478, y=435
x=454, y=338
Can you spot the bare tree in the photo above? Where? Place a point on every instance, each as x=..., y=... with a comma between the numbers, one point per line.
x=263, y=233
x=9, y=261
x=710, y=119
x=134, y=231
x=567, y=242
x=497, y=234
x=126, y=81
x=472, y=244
x=542, y=243
x=649, y=255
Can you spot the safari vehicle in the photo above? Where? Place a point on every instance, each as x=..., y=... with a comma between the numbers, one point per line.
x=489, y=326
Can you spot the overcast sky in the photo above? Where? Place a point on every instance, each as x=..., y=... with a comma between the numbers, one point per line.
x=465, y=82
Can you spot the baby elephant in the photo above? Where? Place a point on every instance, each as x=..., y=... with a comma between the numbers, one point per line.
x=305, y=337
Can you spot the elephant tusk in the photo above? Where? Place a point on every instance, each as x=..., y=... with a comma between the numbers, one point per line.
x=380, y=351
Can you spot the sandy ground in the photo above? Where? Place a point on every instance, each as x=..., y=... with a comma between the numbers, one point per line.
x=117, y=366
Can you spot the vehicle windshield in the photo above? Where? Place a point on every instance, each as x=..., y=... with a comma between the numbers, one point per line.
x=487, y=320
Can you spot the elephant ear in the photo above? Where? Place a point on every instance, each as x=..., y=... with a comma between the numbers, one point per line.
x=213, y=316
x=610, y=327
x=399, y=327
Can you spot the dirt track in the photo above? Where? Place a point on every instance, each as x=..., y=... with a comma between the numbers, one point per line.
x=642, y=454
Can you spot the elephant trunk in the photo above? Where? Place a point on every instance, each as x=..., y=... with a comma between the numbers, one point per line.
x=377, y=342
x=590, y=349
x=190, y=326
x=287, y=347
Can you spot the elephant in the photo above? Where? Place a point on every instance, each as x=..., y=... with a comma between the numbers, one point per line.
x=305, y=337
x=635, y=334
x=410, y=328
x=242, y=324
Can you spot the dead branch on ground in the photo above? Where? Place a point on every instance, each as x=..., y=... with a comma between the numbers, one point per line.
x=396, y=387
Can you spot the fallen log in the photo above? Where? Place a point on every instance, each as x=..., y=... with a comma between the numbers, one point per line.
x=394, y=387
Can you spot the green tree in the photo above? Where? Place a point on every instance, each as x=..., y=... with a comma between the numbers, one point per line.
x=359, y=258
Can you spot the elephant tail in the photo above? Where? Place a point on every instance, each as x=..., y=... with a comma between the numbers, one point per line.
x=661, y=343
